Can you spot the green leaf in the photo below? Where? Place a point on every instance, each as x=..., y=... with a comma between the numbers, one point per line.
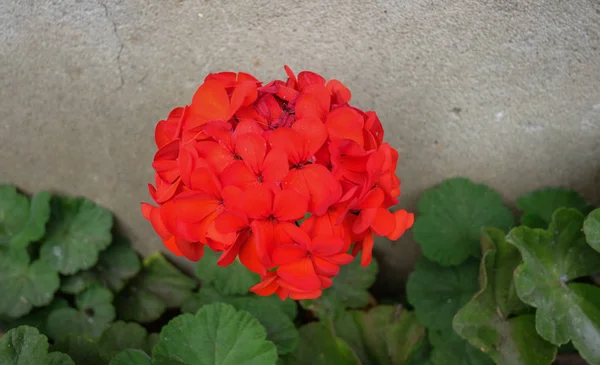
x=131, y=357
x=93, y=314
x=217, y=334
x=386, y=335
x=485, y=321
x=121, y=336
x=552, y=258
x=438, y=292
x=318, y=346
x=349, y=290
x=448, y=348
x=38, y=317
x=205, y=295
x=22, y=222
x=58, y=358
x=83, y=350
x=229, y=280
x=591, y=228
x=151, y=341
x=14, y=211
x=280, y=328
x=158, y=286
x=35, y=225
x=451, y=217
x=538, y=207
x=77, y=231
x=26, y=346
x=24, y=285
x=115, y=266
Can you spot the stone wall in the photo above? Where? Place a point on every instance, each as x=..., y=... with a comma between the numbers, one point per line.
x=506, y=92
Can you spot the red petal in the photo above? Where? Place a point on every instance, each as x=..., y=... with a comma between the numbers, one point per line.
x=193, y=207
x=289, y=141
x=222, y=239
x=306, y=78
x=339, y=93
x=166, y=191
x=317, y=183
x=300, y=274
x=324, y=267
x=230, y=222
x=266, y=287
x=211, y=101
x=373, y=199
x=340, y=259
x=247, y=126
x=289, y=205
x=229, y=255
x=367, y=251
x=243, y=95
x=290, y=74
x=309, y=106
x=373, y=124
x=298, y=295
x=325, y=282
x=257, y=202
x=384, y=223
x=218, y=156
x=345, y=123
x=404, y=220
x=238, y=174
x=191, y=250
x=294, y=234
x=172, y=246
x=365, y=219
x=203, y=179
x=250, y=258
x=263, y=234
x=275, y=167
x=326, y=245
x=153, y=215
x=287, y=254
x=251, y=147
x=314, y=134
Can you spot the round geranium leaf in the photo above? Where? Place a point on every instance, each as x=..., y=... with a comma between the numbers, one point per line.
x=591, y=227
x=280, y=328
x=451, y=217
x=81, y=349
x=120, y=336
x=131, y=357
x=158, y=286
x=229, y=280
x=93, y=314
x=438, y=292
x=217, y=334
x=77, y=231
x=34, y=227
x=349, y=290
x=552, y=258
x=24, y=345
x=24, y=285
x=488, y=320
x=117, y=264
x=538, y=206
x=319, y=346
x=14, y=211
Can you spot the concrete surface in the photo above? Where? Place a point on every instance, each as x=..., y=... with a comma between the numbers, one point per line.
x=506, y=92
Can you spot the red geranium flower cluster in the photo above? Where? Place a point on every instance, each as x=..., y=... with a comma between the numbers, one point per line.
x=239, y=167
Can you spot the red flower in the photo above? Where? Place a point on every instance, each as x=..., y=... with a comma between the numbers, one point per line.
x=243, y=163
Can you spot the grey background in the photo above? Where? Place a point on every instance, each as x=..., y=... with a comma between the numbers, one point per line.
x=506, y=92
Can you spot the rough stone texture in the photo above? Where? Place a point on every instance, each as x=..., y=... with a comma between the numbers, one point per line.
x=506, y=92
